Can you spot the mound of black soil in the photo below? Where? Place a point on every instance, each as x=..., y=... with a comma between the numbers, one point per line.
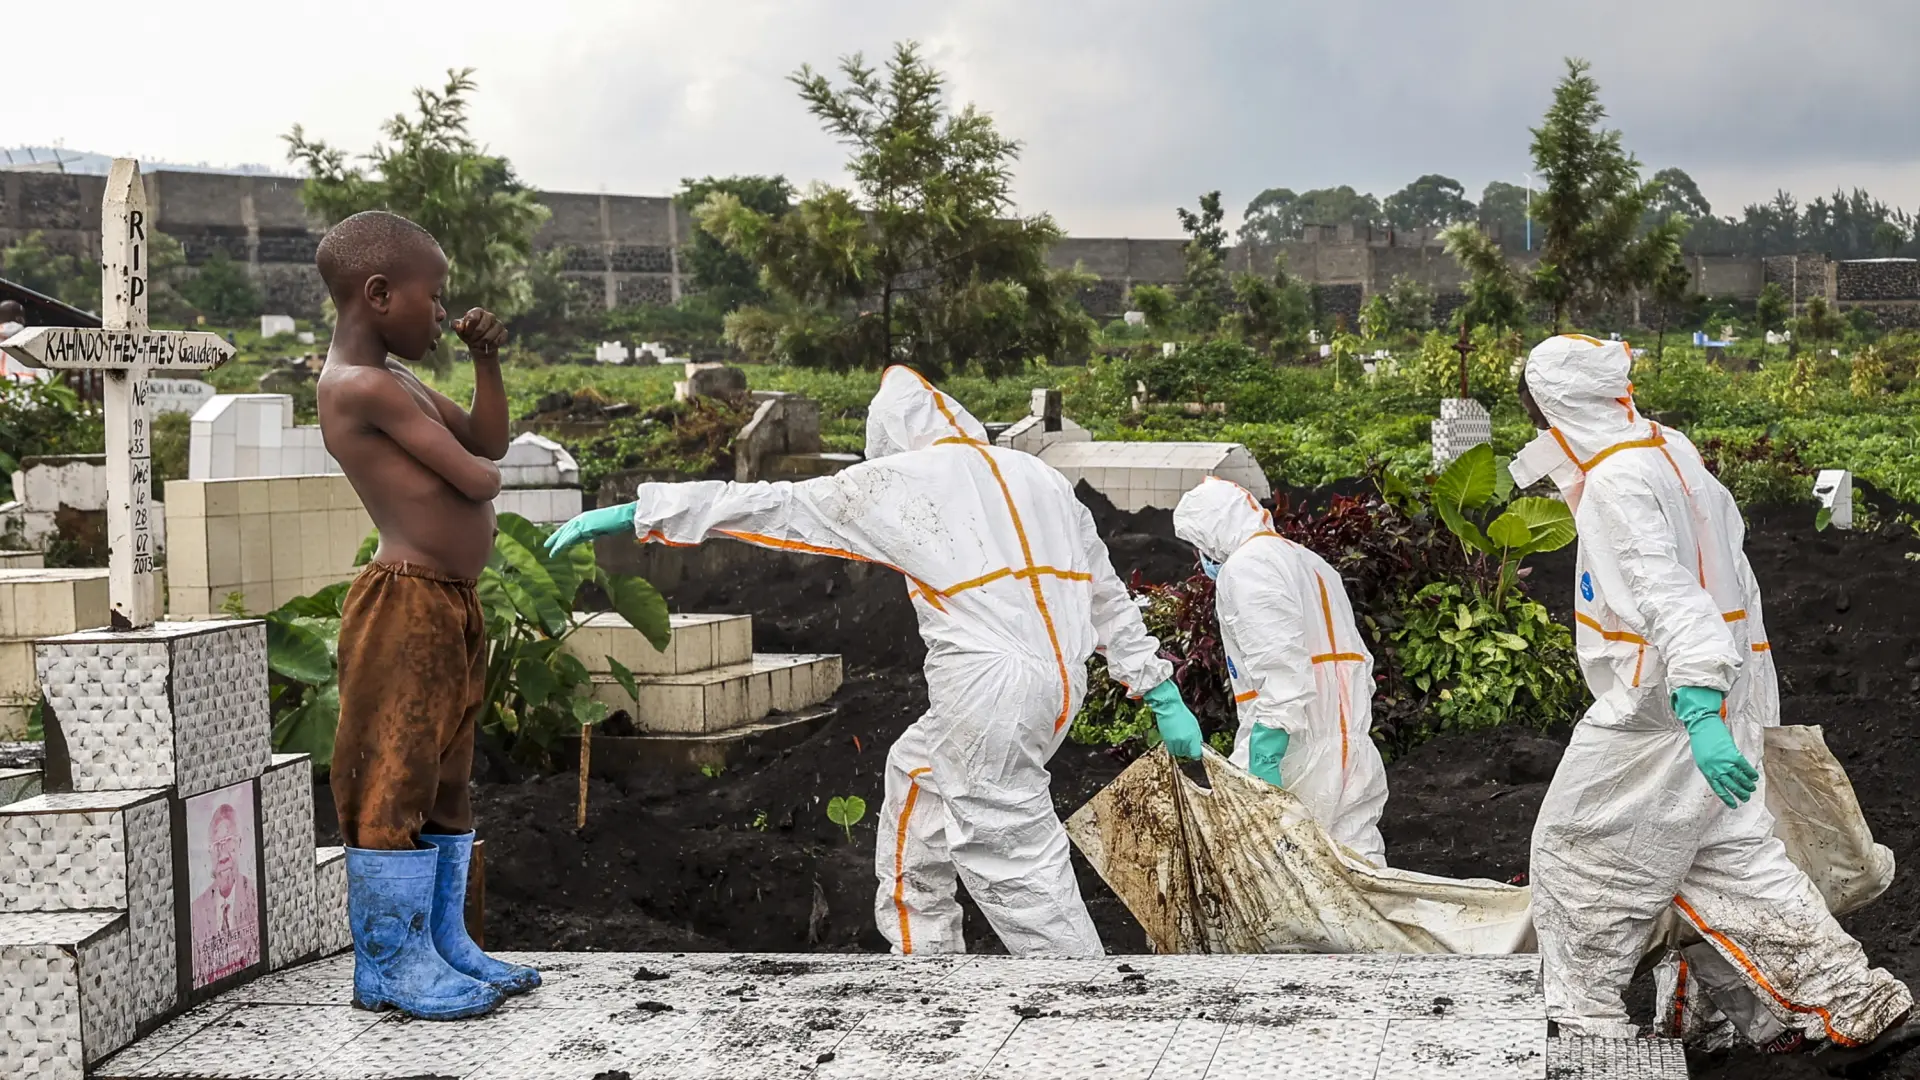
x=748, y=860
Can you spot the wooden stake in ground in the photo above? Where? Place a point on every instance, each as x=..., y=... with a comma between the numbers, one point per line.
x=586, y=764
x=128, y=352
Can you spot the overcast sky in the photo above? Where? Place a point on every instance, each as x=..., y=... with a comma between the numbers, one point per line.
x=1126, y=108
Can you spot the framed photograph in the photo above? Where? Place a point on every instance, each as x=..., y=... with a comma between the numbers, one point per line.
x=223, y=883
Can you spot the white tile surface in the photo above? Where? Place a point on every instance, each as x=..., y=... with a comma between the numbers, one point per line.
x=853, y=1017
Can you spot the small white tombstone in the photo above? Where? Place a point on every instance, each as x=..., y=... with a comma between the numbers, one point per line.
x=611, y=352
x=1168, y=348
x=1834, y=489
x=272, y=326
x=304, y=337
x=1464, y=424
x=177, y=396
x=127, y=351
x=1135, y=318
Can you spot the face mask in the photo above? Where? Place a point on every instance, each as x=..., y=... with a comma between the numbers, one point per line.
x=1209, y=567
x=1545, y=458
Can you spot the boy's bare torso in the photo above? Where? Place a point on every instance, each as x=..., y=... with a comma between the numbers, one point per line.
x=423, y=520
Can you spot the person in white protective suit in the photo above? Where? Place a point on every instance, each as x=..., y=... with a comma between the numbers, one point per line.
x=1302, y=676
x=1657, y=803
x=1014, y=592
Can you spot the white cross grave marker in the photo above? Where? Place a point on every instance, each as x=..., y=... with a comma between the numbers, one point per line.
x=127, y=352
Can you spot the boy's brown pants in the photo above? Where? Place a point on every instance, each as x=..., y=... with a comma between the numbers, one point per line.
x=413, y=670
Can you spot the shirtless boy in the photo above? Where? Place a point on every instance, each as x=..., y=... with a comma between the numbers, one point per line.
x=413, y=646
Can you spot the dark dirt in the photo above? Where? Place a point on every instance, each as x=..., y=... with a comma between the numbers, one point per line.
x=747, y=860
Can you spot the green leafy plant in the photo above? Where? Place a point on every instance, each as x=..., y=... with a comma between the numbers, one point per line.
x=1477, y=482
x=433, y=172
x=536, y=692
x=1487, y=660
x=846, y=812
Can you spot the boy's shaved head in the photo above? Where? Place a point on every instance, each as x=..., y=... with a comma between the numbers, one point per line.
x=368, y=243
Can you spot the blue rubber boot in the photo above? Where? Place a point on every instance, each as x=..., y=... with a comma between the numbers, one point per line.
x=395, y=966
x=450, y=920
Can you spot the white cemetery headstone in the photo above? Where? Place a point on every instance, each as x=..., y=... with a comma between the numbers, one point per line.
x=1464, y=424
x=272, y=326
x=611, y=352
x=1834, y=489
x=1168, y=348
x=177, y=395
x=127, y=351
x=1135, y=318
x=304, y=337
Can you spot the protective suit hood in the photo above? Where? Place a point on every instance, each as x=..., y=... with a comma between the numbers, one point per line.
x=909, y=414
x=1584, y=386
x=1219, y=516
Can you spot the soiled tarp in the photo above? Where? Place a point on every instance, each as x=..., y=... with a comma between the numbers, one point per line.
x=1240, y=867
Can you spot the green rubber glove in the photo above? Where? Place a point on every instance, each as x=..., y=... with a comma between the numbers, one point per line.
x=1265, y=747
x=1728, y=773
x=605, y=521
x=1178, y=728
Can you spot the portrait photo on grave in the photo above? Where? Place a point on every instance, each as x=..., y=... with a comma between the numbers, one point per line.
x=223, y=876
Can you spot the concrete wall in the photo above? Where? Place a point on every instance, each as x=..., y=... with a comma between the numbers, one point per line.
x=623, y=249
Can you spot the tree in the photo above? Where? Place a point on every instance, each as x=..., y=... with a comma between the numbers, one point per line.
x=1821, y=323
x=1274, y=313
x=1494, y=289
x=433, y=173
x=68, y=278
x=222, y=290
x=1277, y=215
x=1593, y=251
x=1888, y=239
x=1674, y=192
x=925, y=262
x=1205, y=254
x=1770, y=312
x=1671, y=288
x=1503, y=212
x=1428, y=203
x=724, y=278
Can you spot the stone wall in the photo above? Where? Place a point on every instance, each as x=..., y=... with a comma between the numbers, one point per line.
x=1877, y=279
x=623, y=249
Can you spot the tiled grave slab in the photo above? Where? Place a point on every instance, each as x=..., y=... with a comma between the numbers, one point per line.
x=330, y=930
x=64, y=992
x=854, y=1017
x=100, y=851
x=286, y=810
x=18, y=784
x=722, y=698
x=177, y=705
x=1616, y=1059
x=699, y=642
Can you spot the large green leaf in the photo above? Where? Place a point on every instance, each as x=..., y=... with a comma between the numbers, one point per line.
x=328, y=602
x=367, y=547
x=1502, y=480
x=589, y=711
x=1509, y=531
x=1469, y=482
x=310, y=728
x=534, y=679
x=1548, y=521
x=624, y=677
x=563, y=570
x=642, y=606
x=1467, y=531
x=297, y=652
x=532, y=589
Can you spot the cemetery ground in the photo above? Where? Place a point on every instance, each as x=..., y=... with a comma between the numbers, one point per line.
x=746, y=858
